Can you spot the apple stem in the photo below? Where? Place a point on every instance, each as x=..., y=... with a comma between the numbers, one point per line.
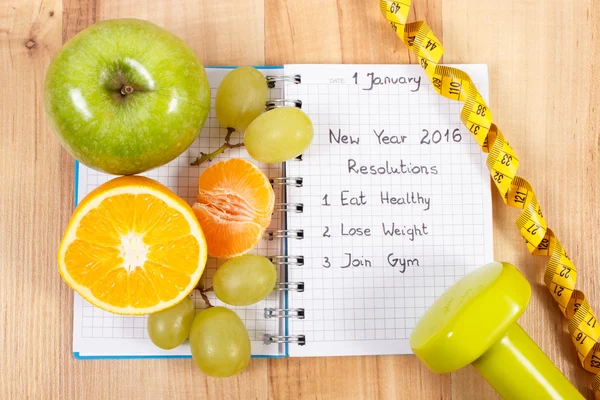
x=125, y=90
x=210, y=156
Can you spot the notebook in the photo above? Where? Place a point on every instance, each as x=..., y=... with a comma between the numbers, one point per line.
x=389, y=206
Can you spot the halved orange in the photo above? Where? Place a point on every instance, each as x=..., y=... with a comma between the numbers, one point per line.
x=234, y=207
x=132, y=247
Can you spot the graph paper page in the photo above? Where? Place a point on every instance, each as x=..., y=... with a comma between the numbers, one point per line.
x=397, y=205
x=97, y=333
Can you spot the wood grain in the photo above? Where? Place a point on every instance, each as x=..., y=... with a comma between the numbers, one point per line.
x=34, y=302
x=543, y=101
x=224, y=32
x=544, y=74
x=343, y=31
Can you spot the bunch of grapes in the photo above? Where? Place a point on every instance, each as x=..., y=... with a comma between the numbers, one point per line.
x=274, y=136
x=218, y=339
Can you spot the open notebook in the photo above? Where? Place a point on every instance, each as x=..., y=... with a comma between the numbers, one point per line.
x=389, y=206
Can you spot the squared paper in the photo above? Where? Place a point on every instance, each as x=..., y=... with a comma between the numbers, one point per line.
x=99, y=334
x=372, y=309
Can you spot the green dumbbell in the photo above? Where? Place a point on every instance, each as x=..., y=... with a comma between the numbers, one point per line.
x=475, y=322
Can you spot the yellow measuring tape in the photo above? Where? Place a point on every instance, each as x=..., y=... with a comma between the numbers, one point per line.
x=561, y=274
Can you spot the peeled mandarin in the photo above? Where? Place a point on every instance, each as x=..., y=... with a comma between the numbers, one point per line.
x=234, y=206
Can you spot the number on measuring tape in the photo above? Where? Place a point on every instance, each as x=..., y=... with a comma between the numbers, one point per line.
x=455, y=88
x=520, y=197
x=394, y=8
x=430, y=45
x=498, y=177
x=533, y=228
x=558, y=290
x=544, y=244
x=565, y=272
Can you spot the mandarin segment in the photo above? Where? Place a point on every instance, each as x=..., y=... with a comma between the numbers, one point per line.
x=225, y=238
x=234, y=206
x=230, y=206
x=132, y=247
x=242, y=178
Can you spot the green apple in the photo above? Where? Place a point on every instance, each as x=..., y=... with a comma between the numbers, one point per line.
x=125, y=96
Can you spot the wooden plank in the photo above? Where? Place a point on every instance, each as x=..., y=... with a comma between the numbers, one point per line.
x=382, y=377
x=345, y=31
x=32, y=296
x=221, y=32
x=77, y=15
x=542, y=57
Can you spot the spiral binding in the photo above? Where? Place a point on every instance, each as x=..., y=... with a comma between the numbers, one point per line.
x=290, y=207
x=274, y=103
x=284, y=313
x=272, y=80
x=272, y=234
x=287, y=181
x=287, y=260
x=271, y=104
x=290, y=286
x=298, y=339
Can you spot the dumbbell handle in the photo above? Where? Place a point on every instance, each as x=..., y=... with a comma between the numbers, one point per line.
x=518, y=369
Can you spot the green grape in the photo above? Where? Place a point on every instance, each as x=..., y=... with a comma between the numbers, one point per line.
x=219, y=342
x=170, y=327
x=244, y=280
x=241, y=98
x=279, y=135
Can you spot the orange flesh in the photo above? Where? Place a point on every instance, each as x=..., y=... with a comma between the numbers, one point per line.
x=125, y=246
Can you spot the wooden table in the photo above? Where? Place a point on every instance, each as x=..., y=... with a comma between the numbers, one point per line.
x=544, y=63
